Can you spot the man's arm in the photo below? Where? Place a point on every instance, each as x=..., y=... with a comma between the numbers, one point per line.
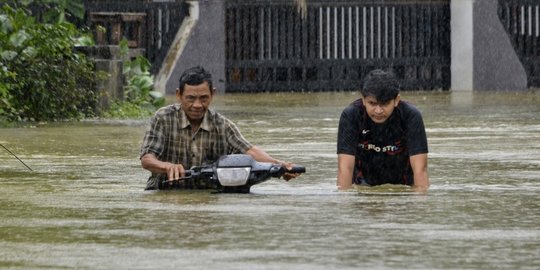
x=420, y=172
x=345, y=171
x=260, y=155
x=151, y=163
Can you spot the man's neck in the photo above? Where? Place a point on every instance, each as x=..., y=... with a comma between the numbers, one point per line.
x=195, y=125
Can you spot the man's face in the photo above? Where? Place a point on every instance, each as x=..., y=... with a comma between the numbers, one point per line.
x=195, y=100
x=377, y=111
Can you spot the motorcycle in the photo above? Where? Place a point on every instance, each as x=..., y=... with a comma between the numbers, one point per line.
x=235, y=173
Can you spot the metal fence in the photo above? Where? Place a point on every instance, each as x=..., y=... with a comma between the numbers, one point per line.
x=155, y=32
x=269, y=47
x=521, y=19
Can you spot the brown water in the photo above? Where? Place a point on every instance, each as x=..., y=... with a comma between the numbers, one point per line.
x=84, y=206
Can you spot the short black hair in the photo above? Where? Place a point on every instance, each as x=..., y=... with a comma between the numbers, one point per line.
x=380, y=84
x=195, y=76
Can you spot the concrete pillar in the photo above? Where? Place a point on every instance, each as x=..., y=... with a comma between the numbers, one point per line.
x=483, y=57
x=461, y=35
x=108, y=59
x=110, y=88
x=204, y=46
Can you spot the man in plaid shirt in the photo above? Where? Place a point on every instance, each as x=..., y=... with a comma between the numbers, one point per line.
x=189, y=134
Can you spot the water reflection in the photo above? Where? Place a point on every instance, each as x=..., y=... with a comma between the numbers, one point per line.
x=84, y=202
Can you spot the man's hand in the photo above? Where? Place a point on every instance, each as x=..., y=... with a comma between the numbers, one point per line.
x=174, y=171
x=261, y=156
x=289, y=166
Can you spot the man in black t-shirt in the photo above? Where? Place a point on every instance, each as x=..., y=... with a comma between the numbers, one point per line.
x=381, y=139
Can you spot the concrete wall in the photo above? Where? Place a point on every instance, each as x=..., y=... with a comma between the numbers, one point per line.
x=205, y=46
x=482, y=56
x=497, y=66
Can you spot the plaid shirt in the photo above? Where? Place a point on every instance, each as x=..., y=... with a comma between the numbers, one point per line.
x=170, y=138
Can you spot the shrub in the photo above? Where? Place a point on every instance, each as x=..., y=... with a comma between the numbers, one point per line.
x=41, y=77
x=140, y=98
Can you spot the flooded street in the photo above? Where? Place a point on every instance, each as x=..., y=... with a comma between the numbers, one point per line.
x=83, y=205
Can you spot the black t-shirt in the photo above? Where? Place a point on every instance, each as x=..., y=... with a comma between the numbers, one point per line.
x=382, y=151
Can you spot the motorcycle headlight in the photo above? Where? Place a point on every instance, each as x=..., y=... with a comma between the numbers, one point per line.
x=233, y=176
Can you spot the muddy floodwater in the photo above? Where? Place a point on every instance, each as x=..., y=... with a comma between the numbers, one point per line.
x=83, y=206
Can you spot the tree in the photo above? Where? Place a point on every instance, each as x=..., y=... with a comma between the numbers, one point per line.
x=42, y=78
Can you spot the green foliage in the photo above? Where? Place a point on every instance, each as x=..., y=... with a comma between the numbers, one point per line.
x=140, y=99
x=53, y=11
x=42, y=78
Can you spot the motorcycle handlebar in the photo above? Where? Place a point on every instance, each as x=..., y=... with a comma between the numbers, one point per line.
x=188, y=174
x=296, y=169
x=196, y=173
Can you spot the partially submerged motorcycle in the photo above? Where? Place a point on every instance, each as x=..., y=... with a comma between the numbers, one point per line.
x=235, y=173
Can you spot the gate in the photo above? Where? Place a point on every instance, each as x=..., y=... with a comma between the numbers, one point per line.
x=521, y=19
x=269, y=47
x=148, y=25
